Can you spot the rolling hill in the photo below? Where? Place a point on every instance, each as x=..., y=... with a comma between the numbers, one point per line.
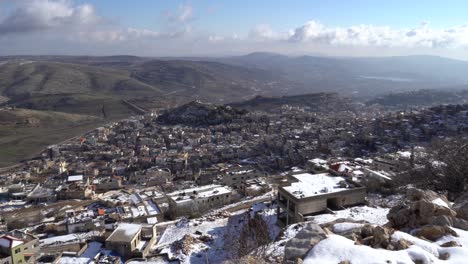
x=360, y=77
x=318, y=102
x=24, y=132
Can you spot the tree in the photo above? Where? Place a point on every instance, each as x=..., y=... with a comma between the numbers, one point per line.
x=444, y=168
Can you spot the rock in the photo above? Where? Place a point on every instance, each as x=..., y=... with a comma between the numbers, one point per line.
x=366, y=231
x=305, y=240
x=414, y=194
x=449, y=221
x=416, y=214
x=461, y=208
x=451, y=244
x=402, y=244
x=381, y=237
x=400, y=216
x=434, y=232
x=345, y=262
x=444, y=256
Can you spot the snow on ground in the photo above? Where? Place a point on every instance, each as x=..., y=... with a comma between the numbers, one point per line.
x=224, y=231
x=373, y=215
x=335, y=249
x=344, y=227
x=440, y=202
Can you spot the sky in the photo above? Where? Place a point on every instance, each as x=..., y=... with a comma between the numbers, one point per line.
x=226, y=27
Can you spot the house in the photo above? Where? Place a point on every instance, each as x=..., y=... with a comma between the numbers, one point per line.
x=30, y=246
x=132, y=240
x=307, y=194
x=41, y=195
x=194, y=201
x=254, y=187
x=152, y=177
x=106, y=184
x=236, y=176
x=11, y=250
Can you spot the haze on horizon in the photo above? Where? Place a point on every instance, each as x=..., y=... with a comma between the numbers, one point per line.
x=222, y=28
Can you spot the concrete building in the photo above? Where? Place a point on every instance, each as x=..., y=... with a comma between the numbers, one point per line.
x=236, y=176
x=12, y=250
x=132, y=240
x=308, y=194
x=195, y=201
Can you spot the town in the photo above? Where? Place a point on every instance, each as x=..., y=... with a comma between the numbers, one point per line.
x=188, y=185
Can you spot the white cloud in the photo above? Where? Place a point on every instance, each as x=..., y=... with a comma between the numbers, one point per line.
x=63, y=26
x=368, y=35
x=42, y=15
x=183, y=14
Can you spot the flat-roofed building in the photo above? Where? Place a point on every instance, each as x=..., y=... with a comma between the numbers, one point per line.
x=237, y=176
x=132, y=240
x=307, y=194
x=194, y=201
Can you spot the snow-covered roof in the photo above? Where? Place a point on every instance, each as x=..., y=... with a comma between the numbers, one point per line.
x=75, y=178
x=125, y=232
x=10, y=242
x=199, y=193
x=309, y=185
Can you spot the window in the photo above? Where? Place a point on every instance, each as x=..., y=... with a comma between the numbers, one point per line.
x=18, y=250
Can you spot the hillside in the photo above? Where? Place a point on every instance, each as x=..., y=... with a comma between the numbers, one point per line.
x=24, y=132
x=421, y=98
x=313, y=102
x=199, y=114
x=209, y=81
x=360, y=77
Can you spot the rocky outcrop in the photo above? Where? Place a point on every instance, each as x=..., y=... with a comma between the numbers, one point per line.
x=416, y=214
x=414, y=194
x=461, y=208
x=306, y=239
x=434, y=232
x=200, y=114
x=450, y=221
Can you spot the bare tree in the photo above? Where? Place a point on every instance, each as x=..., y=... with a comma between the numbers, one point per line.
x=443, y=168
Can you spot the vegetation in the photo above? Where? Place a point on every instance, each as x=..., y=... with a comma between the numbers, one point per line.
x=443, y=169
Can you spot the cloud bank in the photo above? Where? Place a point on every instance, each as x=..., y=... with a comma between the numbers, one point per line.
x=52, y=26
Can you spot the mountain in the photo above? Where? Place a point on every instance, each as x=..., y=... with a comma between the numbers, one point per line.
x=71, y=88
x=200, y=114
x=360, y=77
x=420, y=98
x=24, y=132
x=319, y=102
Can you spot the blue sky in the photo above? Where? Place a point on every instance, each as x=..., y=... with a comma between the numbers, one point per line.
x=227, y=16
x=222, y=27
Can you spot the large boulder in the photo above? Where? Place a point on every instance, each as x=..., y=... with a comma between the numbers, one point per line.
x=416, y=214
x=434, y=232
x=305, y=240
x=381, y=237
x=461, y=208
x=449, y=221
x=414, y=194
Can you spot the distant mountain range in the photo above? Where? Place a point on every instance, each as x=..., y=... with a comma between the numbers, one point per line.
x=360, y=77
x=103, y=89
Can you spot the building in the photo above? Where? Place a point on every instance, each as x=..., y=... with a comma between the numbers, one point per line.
x=152, y=177
x=236, y=176
x=12, y=250
x=308, y=194
x=132, y=240
x=195, y=201
x=254, y=187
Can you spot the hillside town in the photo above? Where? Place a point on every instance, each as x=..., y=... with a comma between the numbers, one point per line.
x=211, y=184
